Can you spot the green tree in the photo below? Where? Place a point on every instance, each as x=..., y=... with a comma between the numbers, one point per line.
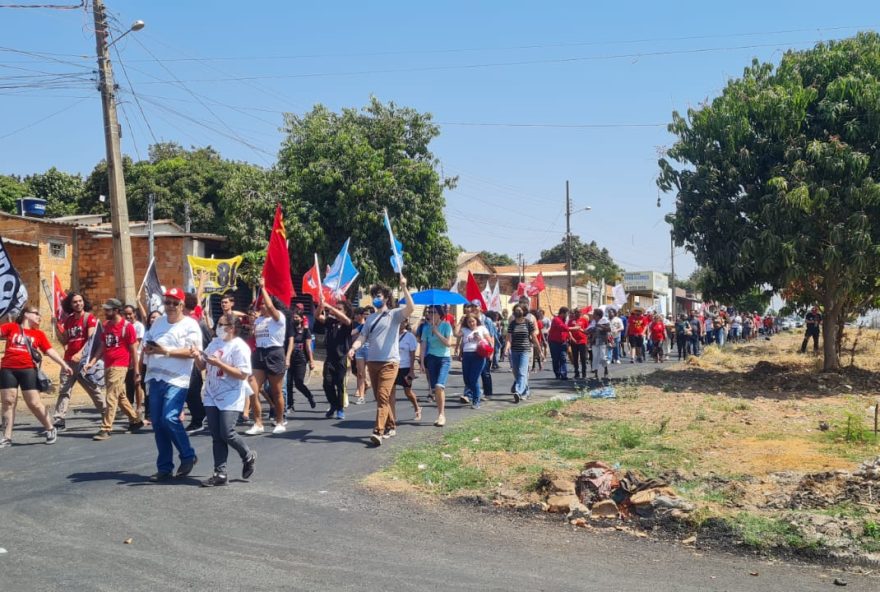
x=340, y=170
x=11, y=189
x=776, y=181
x=495, y=259
x=595, y=262
x=62, y=191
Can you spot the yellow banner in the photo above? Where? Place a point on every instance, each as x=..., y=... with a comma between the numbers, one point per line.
x=220, y=274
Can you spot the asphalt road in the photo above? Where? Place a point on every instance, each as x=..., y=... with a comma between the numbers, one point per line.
x=303, y=523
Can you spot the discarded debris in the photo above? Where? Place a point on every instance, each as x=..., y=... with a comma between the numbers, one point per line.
x=128, y=541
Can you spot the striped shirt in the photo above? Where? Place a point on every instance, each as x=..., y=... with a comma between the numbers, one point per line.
x=520, y=335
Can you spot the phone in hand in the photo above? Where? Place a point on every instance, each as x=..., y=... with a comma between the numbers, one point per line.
x=152, y=344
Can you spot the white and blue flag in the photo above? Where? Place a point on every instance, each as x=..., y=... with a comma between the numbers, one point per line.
x=342, y=273
x=396, y=248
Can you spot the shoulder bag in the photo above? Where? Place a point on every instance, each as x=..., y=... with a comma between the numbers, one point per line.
x=44, y=383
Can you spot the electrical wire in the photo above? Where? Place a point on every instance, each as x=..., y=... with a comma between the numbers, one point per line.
x=50, y=6
x=134, y=96
x=130, y=129
x=42, y=119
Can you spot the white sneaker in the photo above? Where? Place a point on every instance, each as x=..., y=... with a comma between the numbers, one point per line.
x=254, y=430
x=389, y=434
x=279, y=429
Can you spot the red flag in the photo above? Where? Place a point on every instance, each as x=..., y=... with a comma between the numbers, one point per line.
x=58, y=295
x=536, y=286
x=276, y=270
x=518, y=293
x=311, y=283
x=472, y=292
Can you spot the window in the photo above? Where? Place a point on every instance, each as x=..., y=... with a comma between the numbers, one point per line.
x=57, y=249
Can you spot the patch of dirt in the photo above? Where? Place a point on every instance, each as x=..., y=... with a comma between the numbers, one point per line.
x=761, y=457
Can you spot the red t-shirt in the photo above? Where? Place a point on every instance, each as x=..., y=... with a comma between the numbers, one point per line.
x=658, y=331
x=77, y=333
x=197, y=313
x=558, y=331
x=18, y=356
x=636, y=325
x=579, y=337
x=118, y=339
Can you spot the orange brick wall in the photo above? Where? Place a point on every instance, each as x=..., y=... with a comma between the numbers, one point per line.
x=95, y=269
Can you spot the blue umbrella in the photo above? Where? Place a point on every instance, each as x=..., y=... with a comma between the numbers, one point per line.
x=435, y=296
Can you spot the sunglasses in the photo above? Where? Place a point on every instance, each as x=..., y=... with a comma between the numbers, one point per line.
x=36, y=312
x=172, y=303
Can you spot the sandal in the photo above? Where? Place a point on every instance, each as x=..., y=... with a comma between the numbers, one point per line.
x=418, y=414
x=441, y=421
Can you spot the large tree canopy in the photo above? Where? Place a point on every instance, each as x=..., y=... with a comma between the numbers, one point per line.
x=335, y=174
x=776, y=181
x=595, y=262
x=495, y=259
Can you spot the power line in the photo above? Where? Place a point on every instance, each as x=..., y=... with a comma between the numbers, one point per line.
x=485, y=65
x=51, y=6
x=553, y=125
x=42, y=119
x=136, y=99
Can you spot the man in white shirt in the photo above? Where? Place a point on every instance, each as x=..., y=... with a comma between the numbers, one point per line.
x=170, y=346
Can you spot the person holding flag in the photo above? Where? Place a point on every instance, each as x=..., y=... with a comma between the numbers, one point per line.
x=382, y=329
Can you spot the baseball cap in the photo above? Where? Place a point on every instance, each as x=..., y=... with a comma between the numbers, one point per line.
x=112, y=303
x=175, y=293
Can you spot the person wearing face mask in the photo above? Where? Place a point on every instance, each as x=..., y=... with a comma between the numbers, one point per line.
x=228, y=362
x=382, y=330
x=336, y=325
x=299, y=357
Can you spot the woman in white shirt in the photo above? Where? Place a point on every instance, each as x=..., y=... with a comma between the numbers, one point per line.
x=472, y=333
x=406, y=372
x=228, y=361
x=268, y=360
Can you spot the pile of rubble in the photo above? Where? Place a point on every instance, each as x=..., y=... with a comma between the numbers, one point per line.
x=823, y=490
x=600, y=493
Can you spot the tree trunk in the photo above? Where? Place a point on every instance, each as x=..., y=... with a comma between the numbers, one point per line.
x=830, y=330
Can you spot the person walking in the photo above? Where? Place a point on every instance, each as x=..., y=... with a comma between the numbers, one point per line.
x=337, y=326
x=522, y=338
x=696, y=334
x=18, y=370
x=812, y=320
x=406, y=373
x=170, y=345
x=577, y=330
x=134, y=387
x=299, y=357
x=682, y=336
x=227, y=360
x=657, y=330
x=637, y=325
x=193, y=309
x=598, y=331
x=617, y=331
x=436, y=352
x=76, y=332
x=557, y=338
x=472, y=362
x=118, y=347
x=383, y=358
x=269, y=361
x=360, y=356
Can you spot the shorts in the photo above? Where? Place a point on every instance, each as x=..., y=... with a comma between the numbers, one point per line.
x=270, y=360
x=637, y=340
x=361, y=353
x=438, y=370
x=26, y=378
x=403, y=378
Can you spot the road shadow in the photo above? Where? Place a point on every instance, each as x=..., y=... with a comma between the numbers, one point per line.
x=120, y=477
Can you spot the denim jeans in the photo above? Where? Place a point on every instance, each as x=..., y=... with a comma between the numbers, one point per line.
x=437, y=369
x=223, y=435
x=719, y=336
x=471, y=369
x=614, y=350
x=519, y=361
x=557, y=356
x=166, y=403
x=694, y=345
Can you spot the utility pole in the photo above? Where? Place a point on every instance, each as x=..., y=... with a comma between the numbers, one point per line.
x=672, y=275
x=122, y=257
x=568, y=244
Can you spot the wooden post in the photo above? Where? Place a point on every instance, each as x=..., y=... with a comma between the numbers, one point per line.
x=876, y=416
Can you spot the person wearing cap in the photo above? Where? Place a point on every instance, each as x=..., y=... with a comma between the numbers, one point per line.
x=171, y=344
x=118, y=347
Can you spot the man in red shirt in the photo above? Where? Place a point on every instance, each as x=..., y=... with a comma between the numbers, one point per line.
x=577, y=329
x=78, y=328
x=118, y=345
x=635, y=331
x=557, y=339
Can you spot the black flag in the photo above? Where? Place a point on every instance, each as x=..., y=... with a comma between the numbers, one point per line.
x=153, y=290
x=13, y=293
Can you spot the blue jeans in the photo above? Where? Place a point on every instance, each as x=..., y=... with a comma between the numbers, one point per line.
x=471, y=368
x=166, y=403
x=519, y=361
x=719, y=336
x=557, y=356
x=438, y=370
x=694, y=345
x=614, y=350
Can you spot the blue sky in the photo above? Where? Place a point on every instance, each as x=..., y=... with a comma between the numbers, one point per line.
x=553, y=91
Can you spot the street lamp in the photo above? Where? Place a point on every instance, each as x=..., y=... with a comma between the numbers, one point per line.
x=568, y=214
x=135, y=26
